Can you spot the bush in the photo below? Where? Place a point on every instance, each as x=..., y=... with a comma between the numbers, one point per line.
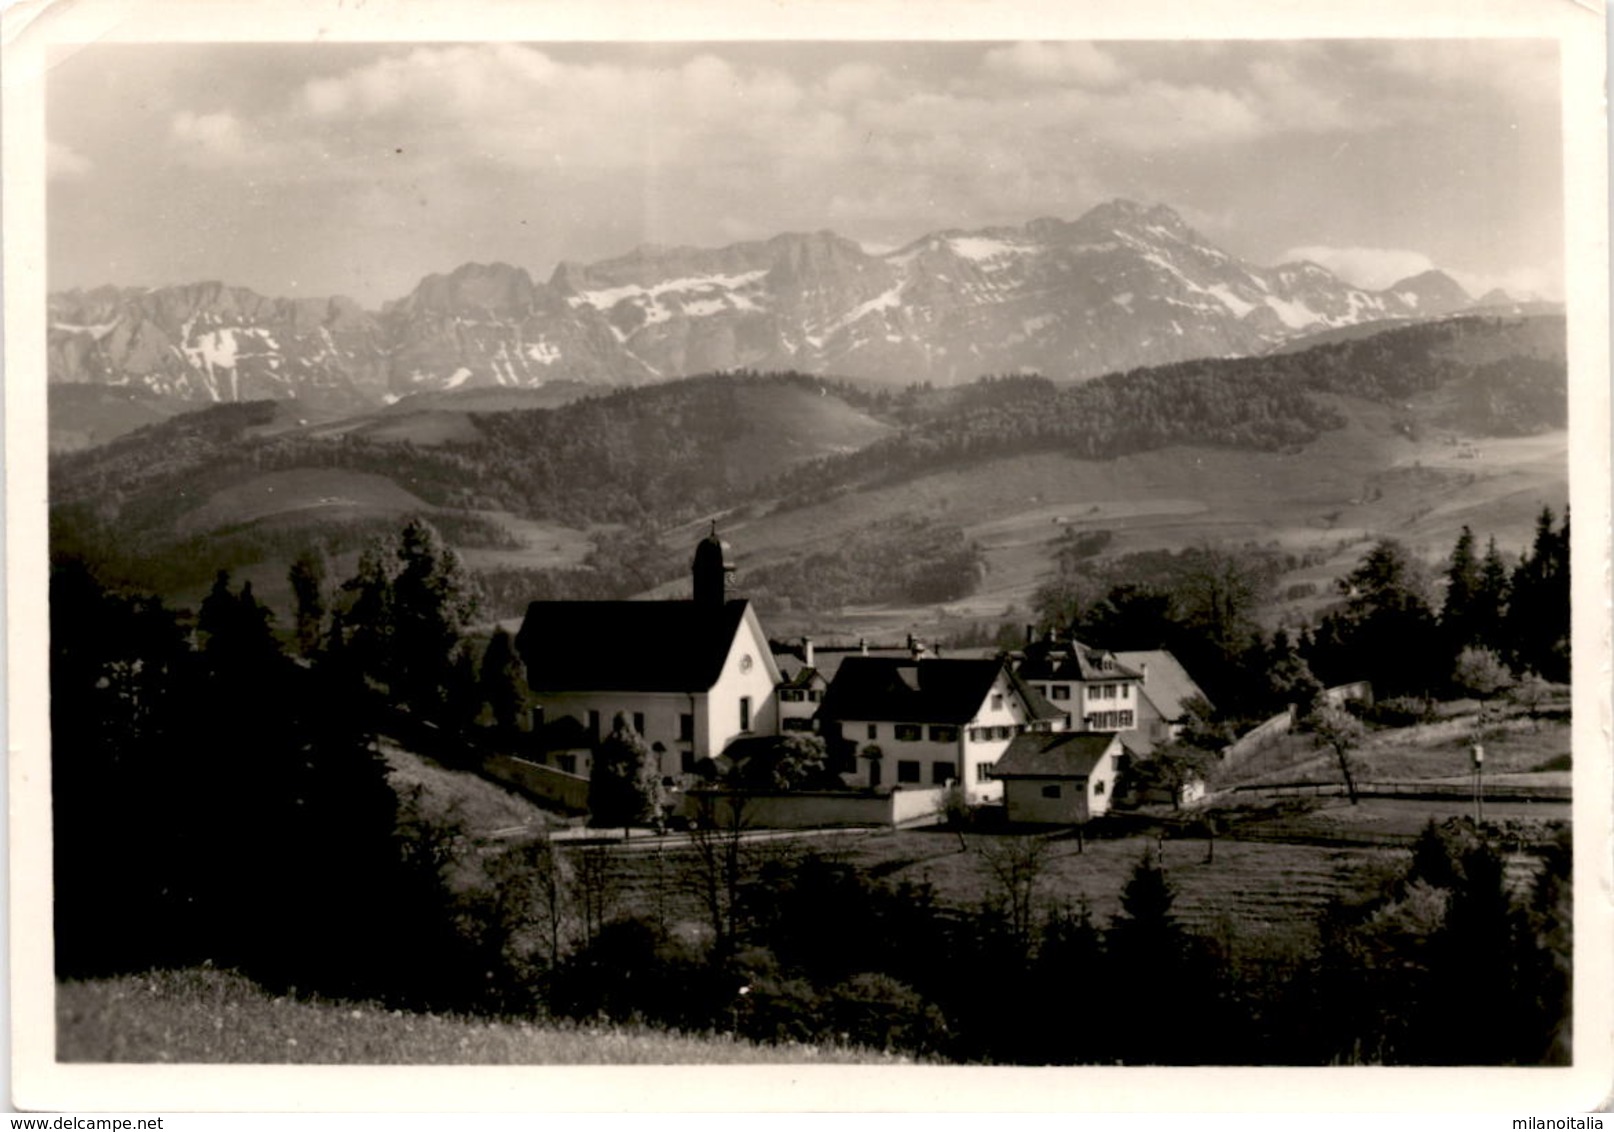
x=1401, y=711
x=874, y=1010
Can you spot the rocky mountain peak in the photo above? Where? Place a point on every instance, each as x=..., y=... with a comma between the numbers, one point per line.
x=1124, y=285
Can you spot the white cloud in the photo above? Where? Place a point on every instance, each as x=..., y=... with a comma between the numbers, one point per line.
x=1373, y=268
x=1075, y=62
x=63, y=162
x=219, y=140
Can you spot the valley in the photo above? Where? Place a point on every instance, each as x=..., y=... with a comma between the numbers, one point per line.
x=536, y=482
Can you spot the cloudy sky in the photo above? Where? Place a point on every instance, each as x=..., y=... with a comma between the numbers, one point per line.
x=356, y=169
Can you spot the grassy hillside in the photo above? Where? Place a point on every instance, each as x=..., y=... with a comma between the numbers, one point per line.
x=210, y=1017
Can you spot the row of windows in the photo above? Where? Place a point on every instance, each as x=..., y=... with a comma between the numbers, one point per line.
x=1110, y=720
x=801, y=695
x=1096, y=692
x=988, y=734
x=914, y=732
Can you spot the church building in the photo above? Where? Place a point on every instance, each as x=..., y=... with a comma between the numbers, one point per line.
x=689, y=676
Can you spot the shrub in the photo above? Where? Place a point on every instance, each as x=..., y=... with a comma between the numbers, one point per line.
x=1401, y=711
x=873, y=1009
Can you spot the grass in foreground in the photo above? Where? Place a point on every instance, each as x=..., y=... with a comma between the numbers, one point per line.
x=204, y=1016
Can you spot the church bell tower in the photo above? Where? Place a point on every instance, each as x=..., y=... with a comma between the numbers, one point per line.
x=712, y=571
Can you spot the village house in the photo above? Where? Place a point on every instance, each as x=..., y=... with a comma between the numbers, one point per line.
x=1060, y=777
x=689, y=676
x=1091, y=688
x=920, y=720
x=1164, y=692
x=801, y=688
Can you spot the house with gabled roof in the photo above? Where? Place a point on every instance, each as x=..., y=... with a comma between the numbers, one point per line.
x=1090, y=686
x=689, y=676
x=1059, y=777
x=802, y=685
x=1165, y=689
x=928, y=721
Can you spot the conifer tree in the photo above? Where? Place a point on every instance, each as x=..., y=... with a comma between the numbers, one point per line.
x=310, y=580
x=503, y=682
x=1458, y=611
x=624, y=785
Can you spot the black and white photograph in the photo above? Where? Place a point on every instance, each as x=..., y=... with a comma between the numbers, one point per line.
x=806, y=548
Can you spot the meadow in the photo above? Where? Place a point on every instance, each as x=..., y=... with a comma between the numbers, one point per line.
x=206, y=1016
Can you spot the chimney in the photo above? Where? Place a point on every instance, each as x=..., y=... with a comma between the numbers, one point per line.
x=807, y=651
x=1031, y=634
x=916, y=647
x=862, y=646
x=1143, y=671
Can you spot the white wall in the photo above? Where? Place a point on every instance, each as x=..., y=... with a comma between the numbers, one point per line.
x=660, y=709
x=719, y=723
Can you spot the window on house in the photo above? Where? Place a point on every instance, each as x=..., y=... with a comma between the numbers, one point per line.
x=1051, y=791
x=941, y=773
x=997, y=701
x=790, y=695
x=1061, y=691
x=594, y=724
x=638, y=722
x=907, y=770
x=942, y=733
x=816, y=695
x=1126, y=691
x=908, y=732
x=1124, y=719
x=874, y=731
x=1098, y=787
x=568, y=763
x=686, y=727
x=983, y=771
x=1042, y=689
x=745, y=713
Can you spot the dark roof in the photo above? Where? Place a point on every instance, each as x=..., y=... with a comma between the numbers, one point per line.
x=795, y=674
x=1035, y=702
x=1053, y=754
x=935, y=690
x=626, y=646
x=1070, y=659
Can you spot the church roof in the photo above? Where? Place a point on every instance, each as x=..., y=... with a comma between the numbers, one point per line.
x=627, y=646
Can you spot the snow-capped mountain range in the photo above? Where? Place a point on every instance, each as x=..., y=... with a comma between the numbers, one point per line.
x=1120, y=287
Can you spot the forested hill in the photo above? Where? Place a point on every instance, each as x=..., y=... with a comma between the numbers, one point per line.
x=657, y=455
x=1500, y=377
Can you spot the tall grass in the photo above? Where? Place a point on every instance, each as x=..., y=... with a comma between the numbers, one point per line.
x=205, y=1016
